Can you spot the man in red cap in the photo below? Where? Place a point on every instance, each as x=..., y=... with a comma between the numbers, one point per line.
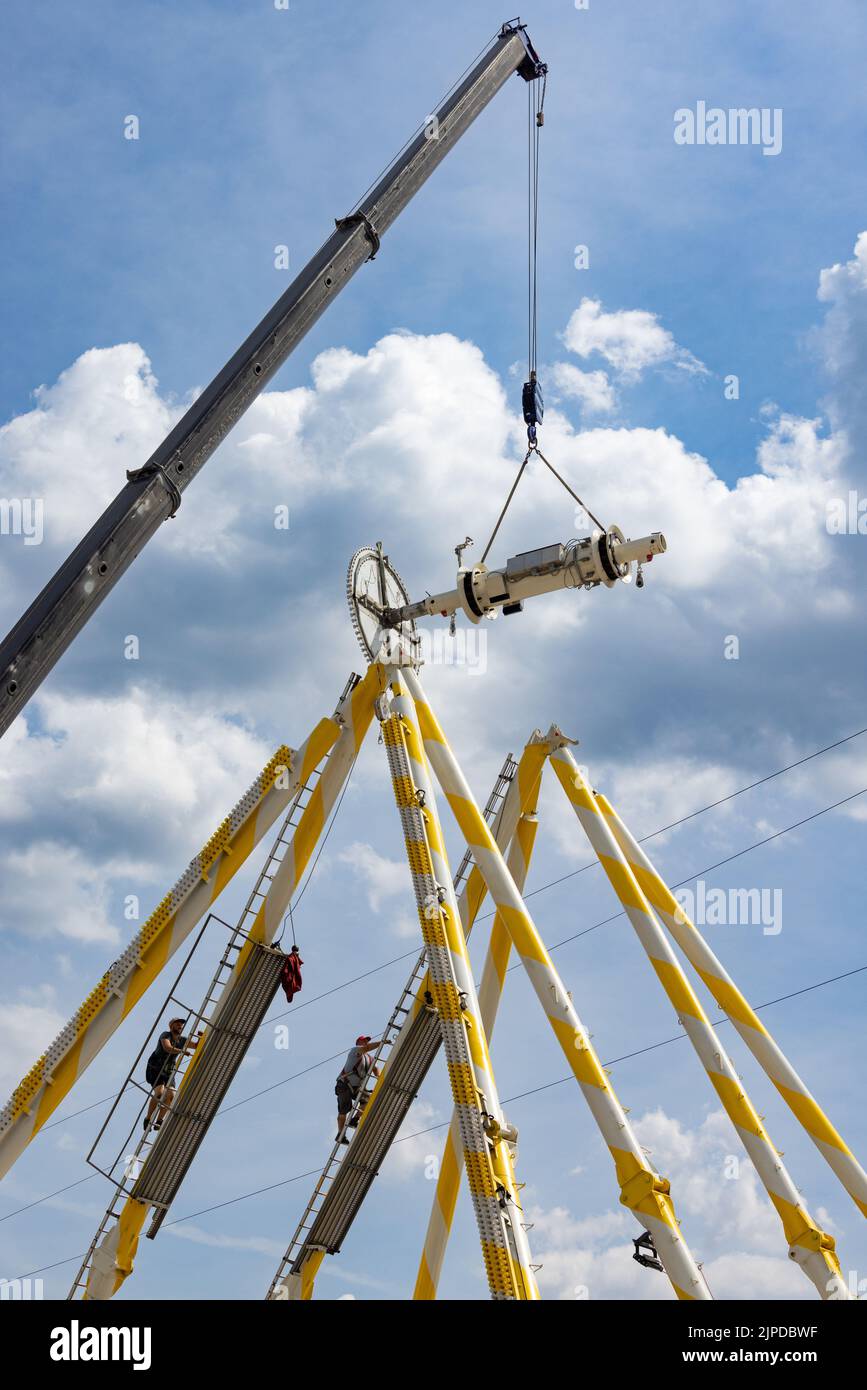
x=356, y=1069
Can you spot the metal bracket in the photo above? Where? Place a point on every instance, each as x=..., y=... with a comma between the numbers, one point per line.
x=150, y=470
x=650, y=1259
x=532, y=66
x=360, y=219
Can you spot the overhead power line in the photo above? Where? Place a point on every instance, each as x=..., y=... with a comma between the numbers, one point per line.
x=555, y=946
x=509, y=1100
x=553, y=883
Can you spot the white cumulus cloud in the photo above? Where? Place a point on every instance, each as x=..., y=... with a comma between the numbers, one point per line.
x=631, y=340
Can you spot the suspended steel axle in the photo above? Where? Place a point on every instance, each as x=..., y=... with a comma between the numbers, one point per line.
x=604, y=557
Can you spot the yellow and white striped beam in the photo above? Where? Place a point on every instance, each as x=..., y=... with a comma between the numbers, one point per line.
x=473, y=894
x=528, y=778
x=300, y=1285
x=352, y=720
x=354, y=717
x=642, y=1190
x=475, y=890
x=487, y=1155
x=52, y=1077
x=809, y=1246
x=771, y=1059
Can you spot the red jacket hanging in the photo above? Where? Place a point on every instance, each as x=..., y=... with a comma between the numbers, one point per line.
x=290, y=976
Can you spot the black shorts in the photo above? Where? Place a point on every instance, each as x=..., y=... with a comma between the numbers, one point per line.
x=157, y=1077
x=345, y=1097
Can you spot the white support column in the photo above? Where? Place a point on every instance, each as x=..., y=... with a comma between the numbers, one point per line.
x=809, y=1246
x=641, y=1188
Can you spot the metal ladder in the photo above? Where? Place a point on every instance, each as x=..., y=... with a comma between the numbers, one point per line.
x=492, y=812
x=340, y=1159
x=131, y=1164
x=300, y=1243
x=278, y=849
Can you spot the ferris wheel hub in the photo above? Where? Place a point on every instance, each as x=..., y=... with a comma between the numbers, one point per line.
x=375, y=593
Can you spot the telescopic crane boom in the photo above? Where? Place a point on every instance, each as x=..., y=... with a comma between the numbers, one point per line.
x=153, y=492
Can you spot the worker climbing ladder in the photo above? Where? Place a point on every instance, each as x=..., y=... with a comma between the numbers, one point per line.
x=642, y=1190
x=135, y=1150
x=47, y=1083
x=228, y=1019
x=350, y=1169
x=260, y=921
x=408, y=1047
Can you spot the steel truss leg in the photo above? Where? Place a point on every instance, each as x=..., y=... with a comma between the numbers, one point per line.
x=493, y=976
x=806, y=1110
x=116, y=994
x=809, y=1246
x=505, y=807
x=112, y=1261
x=641, y=1188
x=484, y=1135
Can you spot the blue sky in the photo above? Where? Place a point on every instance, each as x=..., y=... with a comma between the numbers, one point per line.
x=131, y=272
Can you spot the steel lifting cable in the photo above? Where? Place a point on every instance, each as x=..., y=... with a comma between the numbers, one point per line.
x=505, y=506
x=531, y=400
x=535, y=121
x=570, y=490
x=533, y=448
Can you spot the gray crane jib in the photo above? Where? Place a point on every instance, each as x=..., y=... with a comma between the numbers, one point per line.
x=153, y=492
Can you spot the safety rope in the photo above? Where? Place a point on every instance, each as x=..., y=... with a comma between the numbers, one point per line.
x=306, y=884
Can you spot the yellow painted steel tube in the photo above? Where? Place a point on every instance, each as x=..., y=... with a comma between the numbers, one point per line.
x=486, y=1153
x=493, y=976
x=642, y=1190
x=767, y=1053
x=809, y=1246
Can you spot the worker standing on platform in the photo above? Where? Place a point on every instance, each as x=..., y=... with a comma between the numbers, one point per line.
x=161, y=1069
x=356, y=1069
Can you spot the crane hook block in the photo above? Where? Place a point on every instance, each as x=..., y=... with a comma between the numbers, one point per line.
x=532, y=405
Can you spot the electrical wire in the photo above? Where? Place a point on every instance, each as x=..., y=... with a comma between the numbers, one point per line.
x=708, y=869
x=553, y=883
x=431, y=1129
x=556, y=946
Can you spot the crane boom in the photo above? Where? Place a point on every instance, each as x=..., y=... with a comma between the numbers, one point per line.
x=153, y=492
